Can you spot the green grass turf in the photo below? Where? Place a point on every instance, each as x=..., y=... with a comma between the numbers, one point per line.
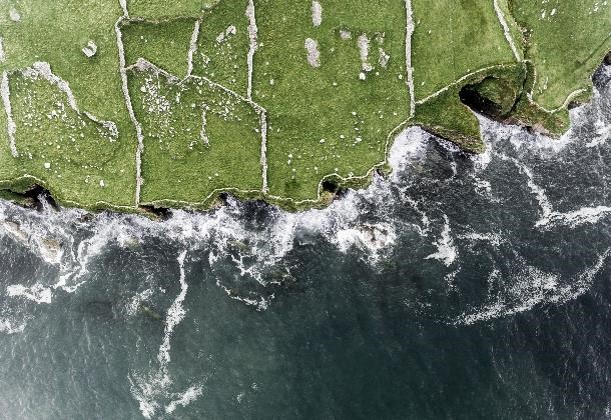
x=156, y=10
x=329, y=120
x=566, y=43
x=79, y=160
x=56, y=32
x=223, y=46
x=182, y=163
x=450, y=42
x=165, y=44
x=326, y=120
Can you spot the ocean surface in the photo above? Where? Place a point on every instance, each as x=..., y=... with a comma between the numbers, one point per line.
x=459, y=287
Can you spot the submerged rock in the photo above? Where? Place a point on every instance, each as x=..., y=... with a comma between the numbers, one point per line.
x=148, y=312
x=15, y=231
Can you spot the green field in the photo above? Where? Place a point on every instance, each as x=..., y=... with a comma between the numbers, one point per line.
x=137, y=103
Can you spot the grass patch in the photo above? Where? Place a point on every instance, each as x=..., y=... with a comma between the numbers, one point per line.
x=325, y=120
x=165, y=44
x=78, y=159
x=334, y=84
x=223, y=46
x=198, y=139
x=566, y=43
x=162, y=10
x=450, y=42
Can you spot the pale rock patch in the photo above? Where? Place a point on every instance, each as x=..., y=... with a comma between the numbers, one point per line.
x=363, y=43
x=203, y=134
x=226, y=34
x=90, y=50
x=384, y=58
x=192, y=47
x=253, y=31
x=316, y=13
x=345, y=35
x=2, y=53
x=311, y=47
x=11, y=126
x=14, y=15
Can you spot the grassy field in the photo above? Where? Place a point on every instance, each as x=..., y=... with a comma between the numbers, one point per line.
x=160, y=10
x=471, y=36
x=48, y=131
x=327, y=120
x=198, y=139
x=112, y=104
x=164, y=44
x=566, y=43
x=223, y=46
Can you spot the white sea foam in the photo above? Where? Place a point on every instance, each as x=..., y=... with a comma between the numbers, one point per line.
x=494, y=239
x=72, y=240
x=575, y=218
x=425, y=223
x=360, y=222
x=446, y=251
x=407, y=149
x=258, y=255
x=531, y=287
x=137, y=300
x=550, y=217
x=176, y=313
x=482, y=187
x=8, y=327
x=152, y=389
x=373, y=238
x=496, y=133
x=538, y=192
x=37, y=293
x=186, y=398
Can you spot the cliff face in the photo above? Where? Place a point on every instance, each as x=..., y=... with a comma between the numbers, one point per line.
x=130, y=105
